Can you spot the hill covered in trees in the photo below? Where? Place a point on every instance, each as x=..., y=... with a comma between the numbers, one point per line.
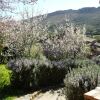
x=90, y=16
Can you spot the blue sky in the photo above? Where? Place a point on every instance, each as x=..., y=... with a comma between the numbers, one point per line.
x=54, y=5
x=47, y=6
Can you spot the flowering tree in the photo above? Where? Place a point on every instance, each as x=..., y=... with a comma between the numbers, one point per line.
x=18, y=36
x=7, y=4
x=70, y=42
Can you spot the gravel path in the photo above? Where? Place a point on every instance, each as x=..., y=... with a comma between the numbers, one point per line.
x=48, y=95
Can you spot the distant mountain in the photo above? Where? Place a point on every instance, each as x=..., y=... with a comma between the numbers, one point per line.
x=88, y=15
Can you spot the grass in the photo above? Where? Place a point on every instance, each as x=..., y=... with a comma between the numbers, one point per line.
x=9, y=98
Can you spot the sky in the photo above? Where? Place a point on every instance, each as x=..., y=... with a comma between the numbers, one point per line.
x=48, y=6
x=54, y=5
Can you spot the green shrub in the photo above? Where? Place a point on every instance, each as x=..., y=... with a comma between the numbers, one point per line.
x=49, y=73
x=53, y=72
x=36, y=73
x=96, y=59
x=35, y=52
x=5, y=76
x=74, y=63
x=22, y=70
x=83, y=63
x=81, y=79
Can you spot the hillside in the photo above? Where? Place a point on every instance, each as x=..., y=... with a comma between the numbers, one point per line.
x=88, y=15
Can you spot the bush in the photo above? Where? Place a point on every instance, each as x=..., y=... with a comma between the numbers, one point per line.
x=82, y=63
x=97, y=59
x=5, y=76
x=81, y=79
x=22, y=72
x=49, y=73
x=35, y=52
x=53, y=72
x=36, y=73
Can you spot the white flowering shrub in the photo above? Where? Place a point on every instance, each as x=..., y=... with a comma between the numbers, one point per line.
x=68, y=41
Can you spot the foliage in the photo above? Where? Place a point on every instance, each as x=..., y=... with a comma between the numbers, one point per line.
x=96, y=59
x=48, y=73
x=41, y=72
x=20, y=37
x=5, y=76
x=68, y=44
x=22, y=72
x=81, y=79
x=97, y=37
x=36, y=52
x=36, y=73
